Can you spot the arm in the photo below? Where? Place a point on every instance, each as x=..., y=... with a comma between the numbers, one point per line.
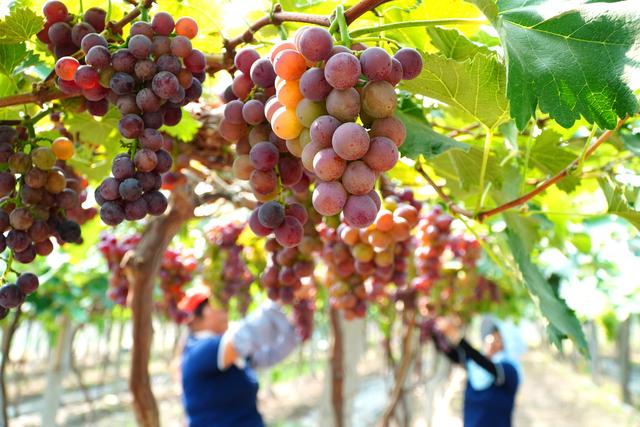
x=285, y=343
x=470, y=353
x=450, y=353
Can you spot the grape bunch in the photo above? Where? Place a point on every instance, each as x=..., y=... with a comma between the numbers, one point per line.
x=176, y=271
x=303, y=311
x=347, y=290
x=148, y=81
x=446, y=270
x=226, y=270
x=114, y=250
x=321, y=92
x=13, y=294
x=63, y=32
x=263, y=158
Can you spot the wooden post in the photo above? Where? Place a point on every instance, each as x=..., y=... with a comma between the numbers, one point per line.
x=7, y=337
x=337, y=368
x=624, y=335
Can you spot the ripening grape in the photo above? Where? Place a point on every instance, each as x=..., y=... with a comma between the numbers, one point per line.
x=342, y=71
x=285, y=124
x=263, y=182
x=379, y=99
x=112, y=213
x=187, y=27
x=91, y=40
x=86, y=77
x=257, y=227
x=271, y=214
x=122, y=83
x=289, y=64
x=350, y=141
x=309, y=153
x=66, y=67
x=195, y=61
x=151, y=139
x=395, y=74
x=327, y=165
x=98, y=57
x=156, y=202
x=245, y=58
x=315, y=44
x=143, y=28
x=60, y=34
x=289, y=94
x=411, y=62
x=291, y=170
x=389, y=127
x=264, y=156
x=43, y=158
x=145, y=160
x=130, y=126
x=241, y=85
x=165, y=161
x=147, y=101
x=271, y=107
x=329, y=198
x=307, y=111
x=162, y=23
x=130, y=189
x=262, y=73
x=382, y=155
x=359, y=211
x=165, y=84
x=253, y=112
x=55, y=11
x=322, y=129
x=358, y=178
x=79, y=31
x=122, y=60
x=242, y=167
x=375, y=63
x=290, y=232
x=344, y=104
x=56, y=181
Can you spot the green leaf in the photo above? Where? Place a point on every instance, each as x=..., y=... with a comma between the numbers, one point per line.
x=572, y=59
x=475, y=85
x=185, y=130
x=562, y=319
x=617, y=202
x=548, y=156
x=423, y=140
x=20, y=25
x=488, y=8
x=11, y=55
x=463, y=168
x=453, y=44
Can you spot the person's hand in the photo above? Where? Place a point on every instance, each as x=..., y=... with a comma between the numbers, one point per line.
x=450, y=328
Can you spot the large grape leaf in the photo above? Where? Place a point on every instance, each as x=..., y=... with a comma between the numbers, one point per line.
x=11, y=55
x=421, y=139
x=453, y=44
x=475, y=85
x=462, y=168
x=617, y=202
x=562, y=319
x=20, y=25
x=571, y=58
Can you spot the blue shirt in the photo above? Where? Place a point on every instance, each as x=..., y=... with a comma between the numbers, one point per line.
x=215, y=398
x=493, y=406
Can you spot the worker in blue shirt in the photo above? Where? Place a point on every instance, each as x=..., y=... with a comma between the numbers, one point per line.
x=219, y=385
x=492, y=378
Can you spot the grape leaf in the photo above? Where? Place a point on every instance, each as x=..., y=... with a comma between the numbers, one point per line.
x=562, y=319
x=475, y=85
x=453, y=44
x=548, y=156
x=488, y=8
x=20, y=25
x=11, y=55
x=617, y=202
x=571, y=59
x=423, y=140
x=463, y=167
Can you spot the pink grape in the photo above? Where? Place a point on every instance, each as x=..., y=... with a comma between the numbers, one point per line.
x=329, y=198
x=360, y=211
x=350, y=141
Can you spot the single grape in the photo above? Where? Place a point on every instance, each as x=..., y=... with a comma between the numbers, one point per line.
x=290, y=170
x=96, y=93
x=187, y=27
x=79, y=31
x=290, y=232
x=315, y=44
x=165, y=84
x=122, y=83
x=233, y=111
x=91, y=40
x=20, y=219
x=130, y=126
x=160, y=45
x=172, y=115
x=169, y=63
x=245, y=58
x=130, y=189
x=140, y=46
x=127, y=104
x=195, y=61
x=314, y=85
x=350, y=141
x=322, y=129
x=395, y=75
x=156, y=202
x=122, y=167
x=44, y=248
x=382, y=155
x=66, y=67
x=194, y=92
x=342, y=70
x=264, y=156
x=162, y=23
x=344, y=105
x=67, y=199
x=26, y=256
x=151, y=139
x=56, y=181
x=256, y=226
x=285, y=124
x=96, y=17
x=11, y=296
x=329, y=198
x=289, y=64
x=135, y=210
x=360, y=211
x=43, y=158
x=411, y=62
x=263, y=182
x=18, y=240
x=112, y=213
x=60, y=33
x=327, y=165
x=153, y=120
x=241, y=85
x=55, y=11
x=69, y=231
x=19, y=162
x=35, y=177
x=86, y=77
x=98, y=108
x=145, y=160
x=298, y=211
x=375, y=63
x=98, y=57
x=389, y=127
x=379, y=99
x=165, y=161
x=27, y=283
x=143, y=28
x=122, y=60
x=253, y=112
x=262, y=73
x=181, y=46
x=358, y=178
x=307, y=111
x=271, y=214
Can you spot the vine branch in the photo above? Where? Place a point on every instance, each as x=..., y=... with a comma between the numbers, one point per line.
x=481, y=216
x=116, y=27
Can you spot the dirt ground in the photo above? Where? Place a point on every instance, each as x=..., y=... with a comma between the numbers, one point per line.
x=552, y=395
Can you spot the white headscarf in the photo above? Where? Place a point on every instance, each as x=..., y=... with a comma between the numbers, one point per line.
x=513, y=347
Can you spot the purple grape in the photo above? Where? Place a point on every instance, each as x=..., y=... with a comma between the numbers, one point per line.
x=140, y=46
x=262, y=73
x=131, y=126
x=156, y=202
x=165, y=84
x=112, y=213
x=130, y=189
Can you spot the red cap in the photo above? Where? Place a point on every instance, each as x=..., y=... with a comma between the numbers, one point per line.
x=193, y=298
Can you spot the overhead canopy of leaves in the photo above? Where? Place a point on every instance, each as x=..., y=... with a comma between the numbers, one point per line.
x=571, y=58
x=465, y=76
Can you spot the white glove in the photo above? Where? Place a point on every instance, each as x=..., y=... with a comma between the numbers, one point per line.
x=288, y=340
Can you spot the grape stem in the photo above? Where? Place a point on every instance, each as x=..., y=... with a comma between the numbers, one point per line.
x=7, y=270
x=129, y=17
x=481, y=216
x=345, y=38
x=417, y=23
x=483, y=170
